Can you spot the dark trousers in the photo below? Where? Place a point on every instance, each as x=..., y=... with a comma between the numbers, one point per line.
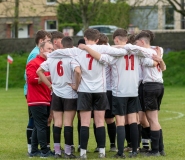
x=39, y=135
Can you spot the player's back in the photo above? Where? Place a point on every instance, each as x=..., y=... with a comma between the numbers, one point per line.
x=61, y=75
x=93, y=73
x=125, y=76
x=152, y=74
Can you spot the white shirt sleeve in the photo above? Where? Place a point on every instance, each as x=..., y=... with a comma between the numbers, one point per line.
x=107, y=59
x=162, y=50
x=74, y=64
x=147, y=62
x=114, y=51
x=61, y=53
x=139, y=51
x=45, y=65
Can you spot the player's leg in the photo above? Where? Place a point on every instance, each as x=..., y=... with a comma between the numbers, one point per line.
x=128, y=147
x=70, y=107
x=132, y=110
x=144, y=122
x=100, y=130
x=58, y=116
x=145, y=131
x=68, y=132
x=155, y=127
x=161, y=144
x=111, y=128
x=29, y=130
x=94, y=129
x=84, y=132
x=151, y=93
x=100, y=104
x=84, y=105
x=111, y=125
x=78, y=129
x=119, y=110
x=57, y=108
x=139, y=132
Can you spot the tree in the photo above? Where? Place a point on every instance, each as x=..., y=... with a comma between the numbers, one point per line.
x=86, y=10
x=16, y=19
x=178, y=6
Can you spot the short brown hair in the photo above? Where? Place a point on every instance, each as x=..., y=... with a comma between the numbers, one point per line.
x=92, y=34
x=131, y=38
x=103, y=39
x=81, y=41
x=146, y=35
x=56, y=35
x=67, y=42
x=120, y=33
x=152, y=35
x=41, y=34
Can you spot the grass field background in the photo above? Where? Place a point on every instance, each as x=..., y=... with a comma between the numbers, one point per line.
x=14, y=117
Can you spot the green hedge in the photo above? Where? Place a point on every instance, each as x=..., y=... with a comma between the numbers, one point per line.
x=173, y=76
x=16, y=70
x=175, y=72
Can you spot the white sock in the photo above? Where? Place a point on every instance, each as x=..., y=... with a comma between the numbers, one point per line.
x=82, y=152
x=102, y=150
x=29, y=148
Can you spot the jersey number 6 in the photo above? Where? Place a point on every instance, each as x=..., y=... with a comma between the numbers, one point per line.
x=60, y=69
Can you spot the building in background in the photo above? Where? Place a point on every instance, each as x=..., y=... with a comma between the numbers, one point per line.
x=155, y=15
x=42, y=14
x=33, y=15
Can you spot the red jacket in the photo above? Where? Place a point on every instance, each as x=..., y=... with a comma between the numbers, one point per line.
x=37, y=94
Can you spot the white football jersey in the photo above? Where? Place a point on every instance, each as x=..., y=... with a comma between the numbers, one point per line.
x=61, y=74
x=146, y=62
x=125, y=74
x=152, y=74
x=93, y=73
x=125, y=70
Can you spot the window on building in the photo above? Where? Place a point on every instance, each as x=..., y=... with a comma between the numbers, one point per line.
x=51, y=25
x=144, y=17
x=169, y=18
x=50, y=2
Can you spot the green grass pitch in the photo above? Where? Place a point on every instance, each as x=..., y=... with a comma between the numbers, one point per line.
x=14, y=117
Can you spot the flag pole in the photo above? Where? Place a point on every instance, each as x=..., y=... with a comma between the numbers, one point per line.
x=7, y=74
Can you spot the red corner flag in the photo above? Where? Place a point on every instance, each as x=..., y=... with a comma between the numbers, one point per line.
x=9, y=59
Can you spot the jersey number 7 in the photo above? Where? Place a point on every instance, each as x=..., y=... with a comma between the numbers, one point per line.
x=90, y=61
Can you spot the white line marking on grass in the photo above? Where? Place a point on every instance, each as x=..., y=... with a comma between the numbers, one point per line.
x=179, y=115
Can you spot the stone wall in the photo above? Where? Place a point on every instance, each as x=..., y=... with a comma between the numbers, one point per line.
x=174, y=41
x=170, y=41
